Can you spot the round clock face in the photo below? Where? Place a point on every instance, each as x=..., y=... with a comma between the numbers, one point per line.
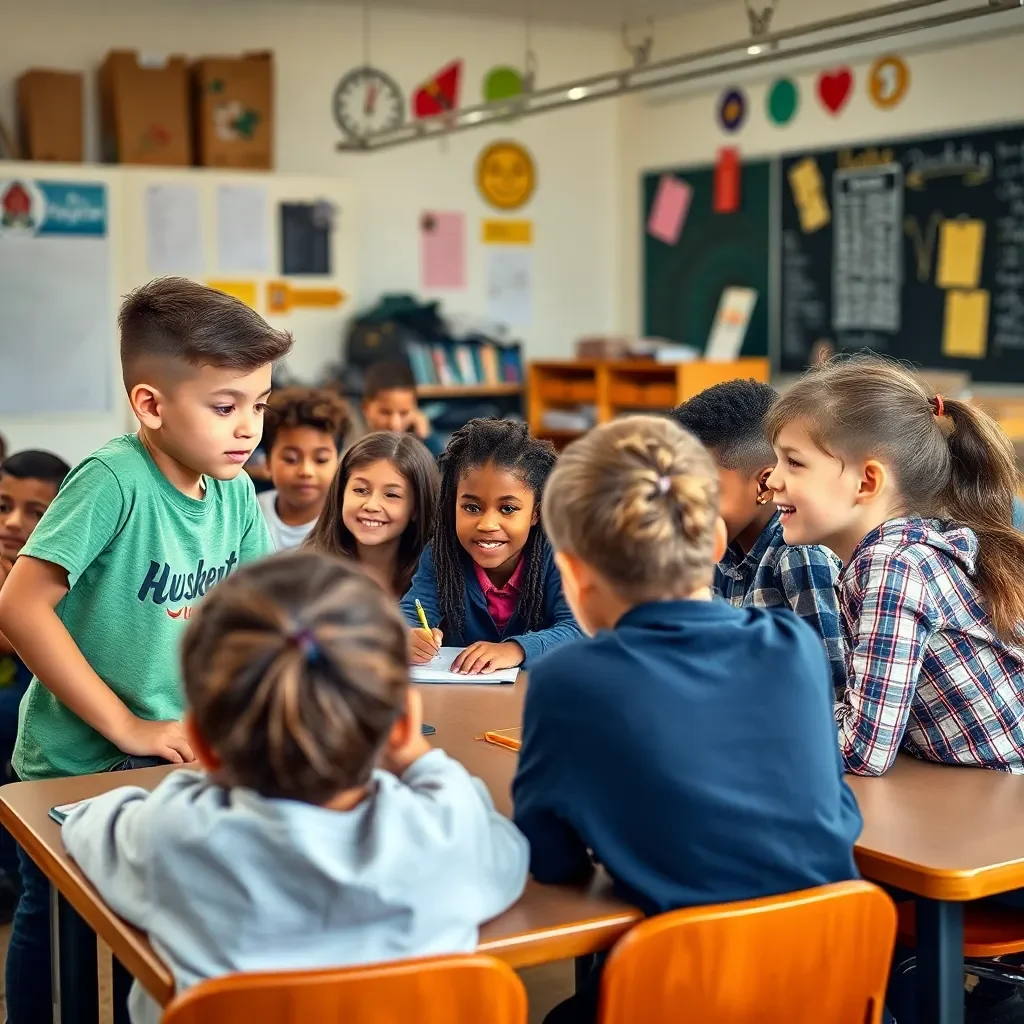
x=367, y=100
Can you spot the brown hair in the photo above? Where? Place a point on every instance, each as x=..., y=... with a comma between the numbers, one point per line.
x=387, y=376
x=637, y=499
x=173, y=318
x=961, y=466
x=410, y=457
x=318, y=408
x=295, y=671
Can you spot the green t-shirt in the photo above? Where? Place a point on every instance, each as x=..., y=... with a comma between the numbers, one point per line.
x=139, y=556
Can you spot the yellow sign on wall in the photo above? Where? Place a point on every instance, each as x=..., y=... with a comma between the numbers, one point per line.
x=283, y=297
x=506, y=232
x=244, y=291
x=506, y=175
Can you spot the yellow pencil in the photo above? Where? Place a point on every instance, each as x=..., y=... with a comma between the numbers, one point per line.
x=423, y=618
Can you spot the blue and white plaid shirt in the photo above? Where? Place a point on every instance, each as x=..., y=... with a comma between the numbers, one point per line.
x=774, y=574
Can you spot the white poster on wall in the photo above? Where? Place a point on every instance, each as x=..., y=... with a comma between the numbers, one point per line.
x=243, y=229
x=174, y=230
x=510, y=284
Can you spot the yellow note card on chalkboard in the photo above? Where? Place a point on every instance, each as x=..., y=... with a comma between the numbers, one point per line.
x=965, y=334
x=961, y=246
x=808, y=188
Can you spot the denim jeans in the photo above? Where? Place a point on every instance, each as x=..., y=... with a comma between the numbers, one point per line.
x=28, y=955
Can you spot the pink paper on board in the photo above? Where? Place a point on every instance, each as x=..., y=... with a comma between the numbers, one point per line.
x=669, y=209
x=443, y=250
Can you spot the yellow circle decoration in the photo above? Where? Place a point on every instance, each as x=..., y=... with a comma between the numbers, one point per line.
x=888, y=82
x=506, y=175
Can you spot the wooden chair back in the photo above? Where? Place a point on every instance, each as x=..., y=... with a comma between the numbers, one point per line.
x=462, y=989
x=803, y=958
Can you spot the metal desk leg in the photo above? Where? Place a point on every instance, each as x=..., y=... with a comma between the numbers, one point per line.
x=73, y=978
x=940, y=961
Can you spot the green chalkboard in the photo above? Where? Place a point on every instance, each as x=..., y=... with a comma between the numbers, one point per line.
x=683, y=283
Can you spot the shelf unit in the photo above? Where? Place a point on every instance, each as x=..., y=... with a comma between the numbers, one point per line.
x=439, y=391
x=615, y=388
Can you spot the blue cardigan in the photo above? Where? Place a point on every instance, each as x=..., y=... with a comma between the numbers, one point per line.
x=559, y=623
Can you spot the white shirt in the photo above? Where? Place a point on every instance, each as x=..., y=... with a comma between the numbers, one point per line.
x=283, y=535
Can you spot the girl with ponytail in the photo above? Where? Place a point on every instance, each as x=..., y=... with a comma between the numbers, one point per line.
x=914, y=492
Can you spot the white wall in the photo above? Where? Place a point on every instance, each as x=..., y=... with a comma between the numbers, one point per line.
x=315, y=43
x=953, y=86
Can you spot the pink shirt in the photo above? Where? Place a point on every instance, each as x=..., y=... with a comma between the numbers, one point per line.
x=501, y=601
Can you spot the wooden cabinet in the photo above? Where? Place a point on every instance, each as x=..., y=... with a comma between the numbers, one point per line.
x=603, y=390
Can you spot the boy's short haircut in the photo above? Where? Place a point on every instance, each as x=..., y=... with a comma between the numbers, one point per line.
x=728, y=419
x=175, y=319
x=318, y=408
x=393, y=376
x=36, y=465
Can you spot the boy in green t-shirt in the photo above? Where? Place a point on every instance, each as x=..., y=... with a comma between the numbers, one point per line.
x=140, y=530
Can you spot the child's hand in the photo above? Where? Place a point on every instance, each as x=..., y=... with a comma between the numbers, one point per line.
x=425, y=645
x=484, y=657
x=412, y=746
x=420, y=425
x=156, y=739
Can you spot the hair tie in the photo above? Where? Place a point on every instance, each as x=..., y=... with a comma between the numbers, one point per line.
x=664, y=484
x=305, y=641
x=939, y=405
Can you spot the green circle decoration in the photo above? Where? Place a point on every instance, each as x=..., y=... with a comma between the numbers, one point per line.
x=783, y=101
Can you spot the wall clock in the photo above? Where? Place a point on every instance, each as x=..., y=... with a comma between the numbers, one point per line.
x=368, y=100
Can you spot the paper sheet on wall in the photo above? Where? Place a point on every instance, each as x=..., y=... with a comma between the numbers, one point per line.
x=961, y=246
x=510, y=284
x=443, y=250
x=670, y=209
x=243, y=229
x=174, y=230
x=809, y=195
x=730, y=327
x=965, y=331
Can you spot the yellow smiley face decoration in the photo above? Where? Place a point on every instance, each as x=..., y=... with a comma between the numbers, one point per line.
x=506, y=175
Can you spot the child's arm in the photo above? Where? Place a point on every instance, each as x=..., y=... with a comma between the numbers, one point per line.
x=886, y=606
x=27, y=603
x=808, y=577
x=6, y=647
x=556, y=610
x=424, y=589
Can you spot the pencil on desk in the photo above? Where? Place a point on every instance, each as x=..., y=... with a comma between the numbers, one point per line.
x=502, y=741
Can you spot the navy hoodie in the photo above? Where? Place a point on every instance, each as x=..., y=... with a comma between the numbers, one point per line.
x=692, y=749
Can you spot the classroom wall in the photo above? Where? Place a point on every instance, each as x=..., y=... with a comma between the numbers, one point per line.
x=963, y=85
x=315, y=44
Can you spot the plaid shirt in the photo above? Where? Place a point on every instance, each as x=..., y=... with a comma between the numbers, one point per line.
x=927, y=671
x=774, y=574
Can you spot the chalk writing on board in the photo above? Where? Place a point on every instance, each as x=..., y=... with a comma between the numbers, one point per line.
x=803, y=308
x=1007, y=301
x=868, y=249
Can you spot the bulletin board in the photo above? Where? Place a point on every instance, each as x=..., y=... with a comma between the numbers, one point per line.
x=683, y=283
x=912, y=248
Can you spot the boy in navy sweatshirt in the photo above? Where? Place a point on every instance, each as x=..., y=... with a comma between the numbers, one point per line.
x=689, y=746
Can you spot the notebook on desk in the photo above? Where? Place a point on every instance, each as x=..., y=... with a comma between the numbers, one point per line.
x=440, y=671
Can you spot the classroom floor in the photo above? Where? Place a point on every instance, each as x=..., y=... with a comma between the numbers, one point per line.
x=546, y=985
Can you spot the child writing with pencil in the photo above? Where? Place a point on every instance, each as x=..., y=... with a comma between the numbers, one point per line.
x=488, y=581
x=324, y=830
x=688, y=746
x=138, y=533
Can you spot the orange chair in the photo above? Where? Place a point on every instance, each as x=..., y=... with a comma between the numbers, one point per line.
x=803, y=958
x=438, y=990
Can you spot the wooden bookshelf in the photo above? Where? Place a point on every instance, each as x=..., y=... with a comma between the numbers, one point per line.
x=438, y=391
x=615, y=388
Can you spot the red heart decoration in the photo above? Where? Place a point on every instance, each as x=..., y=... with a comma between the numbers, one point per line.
x=834, y=88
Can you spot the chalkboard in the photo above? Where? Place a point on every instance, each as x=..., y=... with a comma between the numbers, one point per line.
x=914, y=248
x=684, y=282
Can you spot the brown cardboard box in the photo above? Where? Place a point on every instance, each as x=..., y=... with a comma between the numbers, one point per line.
x=233, y=108
x=50, y=115
x=144, y=111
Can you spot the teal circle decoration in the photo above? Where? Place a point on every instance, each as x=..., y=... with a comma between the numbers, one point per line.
x=783, y=101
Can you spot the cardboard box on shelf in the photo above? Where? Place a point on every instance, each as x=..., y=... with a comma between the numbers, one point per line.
x=50, y=115
x=233, y=109
x=144, y=110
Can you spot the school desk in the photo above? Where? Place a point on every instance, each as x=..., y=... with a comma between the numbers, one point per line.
x=548, y=923
x=947, y=835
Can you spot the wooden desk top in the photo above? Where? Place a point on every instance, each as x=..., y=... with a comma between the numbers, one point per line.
x=548, y=923
x=942, y=832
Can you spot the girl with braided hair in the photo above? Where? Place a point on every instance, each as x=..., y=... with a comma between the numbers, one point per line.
x=488, y=580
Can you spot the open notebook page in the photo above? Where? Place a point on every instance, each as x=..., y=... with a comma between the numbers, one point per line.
x=440, y=671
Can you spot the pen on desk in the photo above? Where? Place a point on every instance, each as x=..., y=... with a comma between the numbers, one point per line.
x=423, y=619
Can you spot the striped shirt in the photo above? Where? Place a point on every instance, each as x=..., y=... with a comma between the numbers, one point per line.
x=926, y=672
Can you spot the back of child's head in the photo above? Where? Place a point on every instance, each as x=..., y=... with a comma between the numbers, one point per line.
x=948, y=459
x=388, y=376
x=317, y=408
x=411, y=459
x=33, y=464
x=505, y=445
x=295, y=671
x=636, y=500
x=172, y=324
x=728, y=419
